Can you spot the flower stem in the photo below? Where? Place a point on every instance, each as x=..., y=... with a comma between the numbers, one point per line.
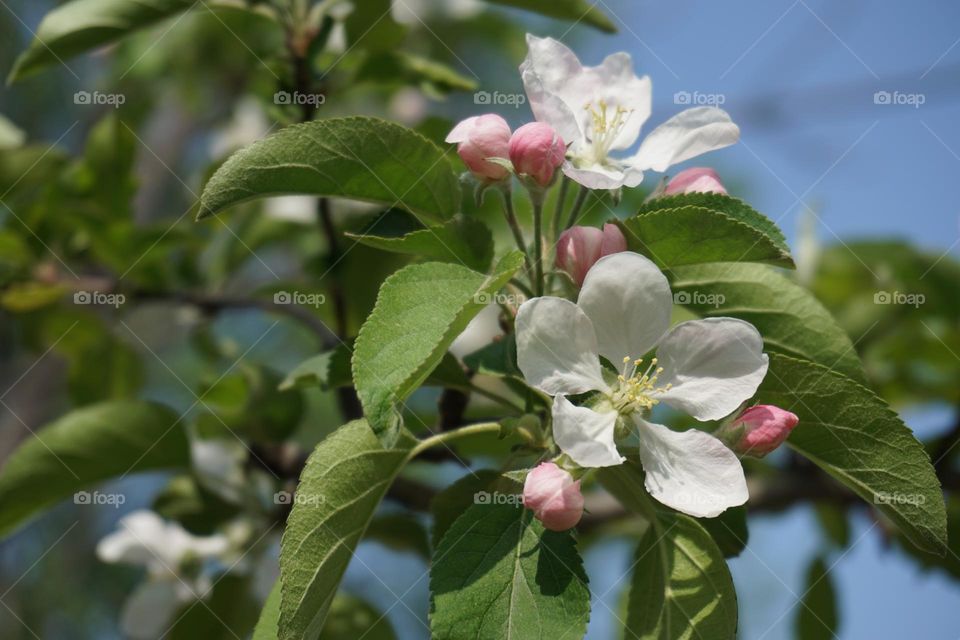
x=511, y=217
x=447, y=436
x=558, y=210
x=577, y=205
x=538, y=246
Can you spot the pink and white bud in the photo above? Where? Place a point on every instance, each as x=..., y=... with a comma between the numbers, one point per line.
x=695, y=180
x=479, y=138
x=579, y=248
x=553, y=496
x=759, y=430
x=536, y=150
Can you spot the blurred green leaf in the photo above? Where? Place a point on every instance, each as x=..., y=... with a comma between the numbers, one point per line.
x=729, y=530
x=400, y=532
x=833, y=520
x=84, y=447
x=199, y=511
x=371, y=26
x=817, y=616
x=11, y=136
x=572, y=10
x=421, y=309
x=351, y=618
x=498, y=573
x=229, y=613
x=465, y=241
x=850, y=433
x=357, y=157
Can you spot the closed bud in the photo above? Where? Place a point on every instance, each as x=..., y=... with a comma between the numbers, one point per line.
x=579, y=248
x=553, y=496
x=480, y=138
x=695, y=180
x=536, y=150
x=758, y=430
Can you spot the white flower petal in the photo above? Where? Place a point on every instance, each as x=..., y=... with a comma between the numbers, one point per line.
x=462, y=130
x=684, y=136
x=557, y=347
x=691, y=471
x=585, y=435
x=603, y=177
x=549, y=71
x=714, y=365
x=628, y=301
x=137, y=540
x=618, y=86
x=150, y=609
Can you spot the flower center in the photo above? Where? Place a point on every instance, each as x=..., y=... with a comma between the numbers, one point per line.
x=635, y=391
x=607, y=122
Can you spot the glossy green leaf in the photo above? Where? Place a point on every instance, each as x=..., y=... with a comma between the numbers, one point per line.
x=853, y=435
x=499, y=575
x=572, y=10
x=84, y=447
x=788, y=317
x=729, y=530
x=356, y=157
x=681, y=585
x=421, y=309
x=465, y=241
x=344, y=480
x=82, y=25
x=698, y=228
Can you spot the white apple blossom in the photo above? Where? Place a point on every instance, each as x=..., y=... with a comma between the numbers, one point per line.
x=173, y=558
x=601, y=109
x=705, y=368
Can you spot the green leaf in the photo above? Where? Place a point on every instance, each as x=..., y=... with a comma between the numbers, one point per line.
x=465, y=241
x=370, y=25
x=82, y=25
x=729, y=530
x=573, y=10
x=498, y=574
x=327, y=370
x=84, y=447
x=853, y=435
x=400, y=66
x=228, y=613
x=452, y=502
x=353, y=619
x=420, y=310
x=697, y=228
x=789, y=318
x=400, y=532
x=357, y=157
x=681, y=586
x=268, y=627
x=344, y=480
x=817, y=617
x=499, y=359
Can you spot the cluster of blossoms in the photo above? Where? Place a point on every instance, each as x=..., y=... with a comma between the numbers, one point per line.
x=708, y=369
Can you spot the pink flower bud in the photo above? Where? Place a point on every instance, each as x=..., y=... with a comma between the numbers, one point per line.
x=553, y=496
x=479, y=138
x=536, y=149
x=695, y=180
x=580, y=247
x=759, y=430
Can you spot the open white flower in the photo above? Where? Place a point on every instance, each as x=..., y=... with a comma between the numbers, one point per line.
x=705, y=368
x=602, y=109
x=173, y=558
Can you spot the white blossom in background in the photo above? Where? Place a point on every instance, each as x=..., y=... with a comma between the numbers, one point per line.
x=248, y=124
x=599, y=110
x=174, y=560
x=705, y=368
x=482, y=330
x=416, y=12
x=219, y=466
